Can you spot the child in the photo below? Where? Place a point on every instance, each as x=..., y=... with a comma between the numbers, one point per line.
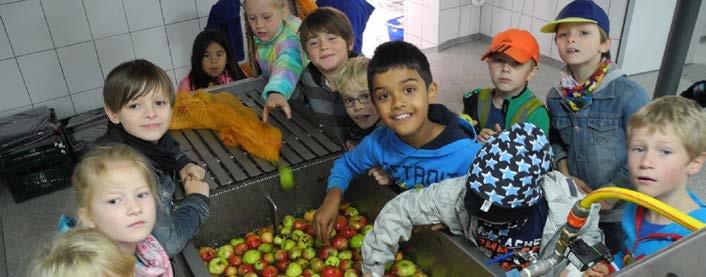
x=83, y=253
x=212, y=63
x=327, y=38
x=116, y=191
x=421, y=143
x=509, y=202
x=138, y=101
x=352, y=82
x=512, y=56
x=667, y=145
x=590, y=108
x=273, y=43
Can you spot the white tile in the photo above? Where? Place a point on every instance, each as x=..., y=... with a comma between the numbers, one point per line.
x=526, y=23
x=42, y=75
x=80, y=65
x=445, y=4
x=545, y=9
x=26, y=27
x=67, y=21
x=62, y=106
x=143, y=14
x=203, y=7
x=448, y=24
x=113, y=51
x=7, y=113
x=427, y=44
x=180, y=73
x=430, y=25
x=106, y=17
x=502, y=20
x=528, y=6
x=617, y=17
x=465, y=21
x=515, y=23
x=475, y=19
x=505, y=4
x=178, y=10
x=88, y=100
x=545, y=40
x=172, y=77
x=181, y=39
x=151, y=44
x=5, y=49
x=413, y=27
x=614, y=46
x=433, y=4
x=464, y=2
x=203, y=21
x=13, y=89
x=486, y=20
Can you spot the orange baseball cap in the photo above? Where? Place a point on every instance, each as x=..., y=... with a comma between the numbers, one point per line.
x=520, y=45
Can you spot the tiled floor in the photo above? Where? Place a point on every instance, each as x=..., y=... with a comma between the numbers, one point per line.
x=27, y=225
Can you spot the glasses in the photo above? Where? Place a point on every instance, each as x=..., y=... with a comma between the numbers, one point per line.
x=363, y=99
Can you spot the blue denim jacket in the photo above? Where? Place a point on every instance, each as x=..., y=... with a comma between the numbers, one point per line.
x=594, y=140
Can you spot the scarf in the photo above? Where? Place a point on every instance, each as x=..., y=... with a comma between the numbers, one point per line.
x=152, y=259
x=163, y=156
x=579, y=95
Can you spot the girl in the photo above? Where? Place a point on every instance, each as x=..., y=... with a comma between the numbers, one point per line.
x=211, y=63
x=116, y=190
x=590, y=108
x=83, y=253
x=273, y=43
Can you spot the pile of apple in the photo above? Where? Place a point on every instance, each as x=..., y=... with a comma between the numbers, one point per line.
x=295, y=252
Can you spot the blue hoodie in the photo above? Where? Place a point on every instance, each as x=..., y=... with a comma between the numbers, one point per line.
x=450, y=155
x=649, y=246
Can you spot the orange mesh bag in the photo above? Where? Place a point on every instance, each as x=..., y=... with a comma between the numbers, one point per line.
x=305, y=7
x=237, y=125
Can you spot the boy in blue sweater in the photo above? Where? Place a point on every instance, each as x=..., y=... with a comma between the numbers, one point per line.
x=666, y=145
x=421, y=143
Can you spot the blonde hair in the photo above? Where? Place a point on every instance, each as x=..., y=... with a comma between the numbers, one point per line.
x=83, y=253
x=284, y=9
x=684, y=116
x=96, y=164
x=353, y=71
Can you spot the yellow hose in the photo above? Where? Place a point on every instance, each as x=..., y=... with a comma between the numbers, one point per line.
x=645, y=201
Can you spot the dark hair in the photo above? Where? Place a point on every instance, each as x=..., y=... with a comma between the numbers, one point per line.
x=134, y=79
x=398, y=54
x=326, y=20
x=199, y=78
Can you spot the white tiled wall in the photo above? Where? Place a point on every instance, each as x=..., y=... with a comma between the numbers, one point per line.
x=58, y=52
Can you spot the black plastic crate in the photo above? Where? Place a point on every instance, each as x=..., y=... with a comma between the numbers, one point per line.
x=40, y=179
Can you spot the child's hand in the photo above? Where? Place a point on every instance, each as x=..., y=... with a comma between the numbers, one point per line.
x=325, y=216
x=274, y=101
x=486, y=133
x=598, y=270
x=191, y=170
x=192, y=185
x=380, y=175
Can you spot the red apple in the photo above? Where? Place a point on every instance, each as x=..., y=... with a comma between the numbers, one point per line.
x=281, y=255
x=282, y=265
x=240, y=249
x=299, y=224
x=235, y=260
x=357, y=255
x=309, y=229
x=207, y=253
x=253, y=241
x=327, y=251
x=357, y=222
x=340, y=242
x=245, y=269
x=340, y=223
x=348, y=232
x=308, y=272
x=345, y=265
x=331, y=271
x=269, y=258
x=269, y=271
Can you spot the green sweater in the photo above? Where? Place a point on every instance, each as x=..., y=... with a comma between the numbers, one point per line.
x=525, y=107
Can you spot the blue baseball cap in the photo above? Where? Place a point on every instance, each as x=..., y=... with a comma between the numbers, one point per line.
x=580, y=11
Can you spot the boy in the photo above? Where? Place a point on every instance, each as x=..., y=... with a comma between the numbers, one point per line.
x=509, y=202
x=352, y=83
x=327, y=39
x=138, y=99
x=421, y=143
x=667, y=145
x=513, y=58
x=590, y=107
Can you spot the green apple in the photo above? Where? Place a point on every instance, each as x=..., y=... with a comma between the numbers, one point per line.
x=265, y=248
x=293, y=270
x=286, y=178
x=405, y=268
x=278, y=240
x=288, y=221
x=309, y=253
x=366, y=229
x=225, y=251
x=296, y=234
x=251, y=256
x=217, y=265
x=345, y=255
x=288, y=244
x=357, y=241
x=236, y=241
x=305, y=241
x=332, y=261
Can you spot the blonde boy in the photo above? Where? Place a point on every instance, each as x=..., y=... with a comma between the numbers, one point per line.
x=353, y=87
